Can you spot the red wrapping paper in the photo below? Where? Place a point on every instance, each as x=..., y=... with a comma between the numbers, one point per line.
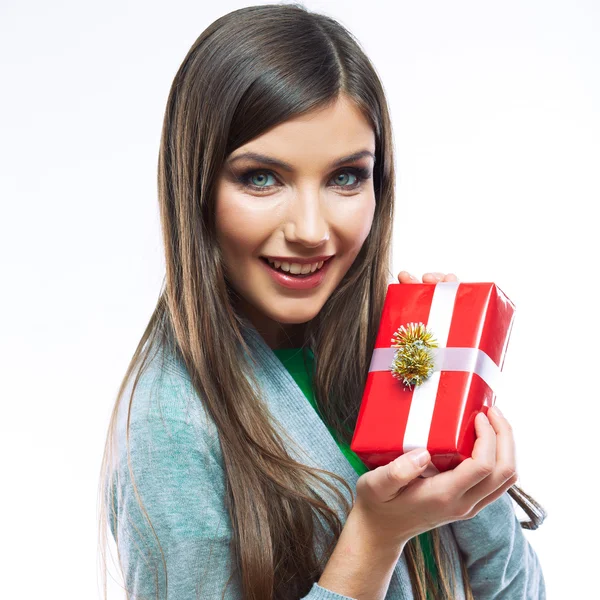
x=479, y=316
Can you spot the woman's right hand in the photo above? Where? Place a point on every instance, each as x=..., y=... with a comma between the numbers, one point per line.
x=394, y=504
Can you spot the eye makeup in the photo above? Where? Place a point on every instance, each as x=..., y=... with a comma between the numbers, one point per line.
x=361, y=174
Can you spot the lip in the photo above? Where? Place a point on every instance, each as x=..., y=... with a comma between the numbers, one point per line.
x=301, y=261
x=294, y=283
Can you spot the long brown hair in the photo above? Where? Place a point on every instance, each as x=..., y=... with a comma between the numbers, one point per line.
x=248, y=71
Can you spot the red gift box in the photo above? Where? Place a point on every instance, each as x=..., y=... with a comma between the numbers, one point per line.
x=471, y=323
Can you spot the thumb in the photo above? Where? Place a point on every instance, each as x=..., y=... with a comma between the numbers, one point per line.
x=388, y=479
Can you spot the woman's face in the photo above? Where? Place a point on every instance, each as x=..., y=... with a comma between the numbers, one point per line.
x=299, y=204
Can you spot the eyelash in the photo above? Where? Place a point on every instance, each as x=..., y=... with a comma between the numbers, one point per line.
x=361, y=174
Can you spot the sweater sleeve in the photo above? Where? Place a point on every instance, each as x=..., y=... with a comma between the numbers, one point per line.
x=178, y=546
x=320, y=593
x=501, y=563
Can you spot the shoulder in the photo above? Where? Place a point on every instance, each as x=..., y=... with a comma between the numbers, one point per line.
x=160, y=403
x=165, y=444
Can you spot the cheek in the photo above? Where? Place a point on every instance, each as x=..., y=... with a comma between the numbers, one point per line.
x=353, y=222
x=241, y=225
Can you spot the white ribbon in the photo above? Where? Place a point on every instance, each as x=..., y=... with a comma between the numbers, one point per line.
x=471, y=360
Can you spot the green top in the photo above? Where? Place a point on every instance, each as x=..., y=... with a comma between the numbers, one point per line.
x=293, y=361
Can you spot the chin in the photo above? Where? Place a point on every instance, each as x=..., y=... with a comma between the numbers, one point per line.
x=295, y=317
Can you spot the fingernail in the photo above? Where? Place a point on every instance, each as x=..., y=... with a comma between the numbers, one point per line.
x=496, y=411
x=438, y=276
x=420, y=458
x=483, y=417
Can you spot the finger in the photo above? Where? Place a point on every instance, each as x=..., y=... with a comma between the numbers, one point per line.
x=450, y=277
x=433, y=277
x=493, y=496
x=506, y=458
x=476, y=469
x=385, y=481
x=506, y=454
x=406, y=277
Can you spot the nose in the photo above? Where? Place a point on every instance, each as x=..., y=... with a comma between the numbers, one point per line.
x=305, y=222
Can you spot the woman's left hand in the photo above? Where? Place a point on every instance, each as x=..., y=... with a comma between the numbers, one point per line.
x=406, y=277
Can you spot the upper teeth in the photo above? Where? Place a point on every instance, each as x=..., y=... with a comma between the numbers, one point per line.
x=296, y=268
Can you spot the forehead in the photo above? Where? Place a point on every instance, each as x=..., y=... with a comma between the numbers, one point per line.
x=317, y=138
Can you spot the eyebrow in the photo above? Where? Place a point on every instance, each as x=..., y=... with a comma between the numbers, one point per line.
x=287, y=167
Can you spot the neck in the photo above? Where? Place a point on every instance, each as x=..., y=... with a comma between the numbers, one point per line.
x=276, y=335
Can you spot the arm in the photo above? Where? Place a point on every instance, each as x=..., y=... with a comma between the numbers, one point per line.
x=501, y=563
x=180, y=483
x=360, y=566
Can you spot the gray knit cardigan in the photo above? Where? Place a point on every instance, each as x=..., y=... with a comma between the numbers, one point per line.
x=178, y=470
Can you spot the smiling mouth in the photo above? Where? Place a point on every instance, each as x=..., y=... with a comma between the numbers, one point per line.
x=292, y=269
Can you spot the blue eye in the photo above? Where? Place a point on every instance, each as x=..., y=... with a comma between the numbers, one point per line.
x=260, y=176
x=256, y=179
x=345, y=174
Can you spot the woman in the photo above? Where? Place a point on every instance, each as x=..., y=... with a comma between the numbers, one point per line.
x=276, y=185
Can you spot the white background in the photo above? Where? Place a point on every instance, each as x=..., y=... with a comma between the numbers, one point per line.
x=496, y=115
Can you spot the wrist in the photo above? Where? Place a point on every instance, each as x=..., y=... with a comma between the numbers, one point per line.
x=362, y=562
x=375, y=534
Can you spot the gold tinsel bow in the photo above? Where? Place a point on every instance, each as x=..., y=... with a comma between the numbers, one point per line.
x=413, y=361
